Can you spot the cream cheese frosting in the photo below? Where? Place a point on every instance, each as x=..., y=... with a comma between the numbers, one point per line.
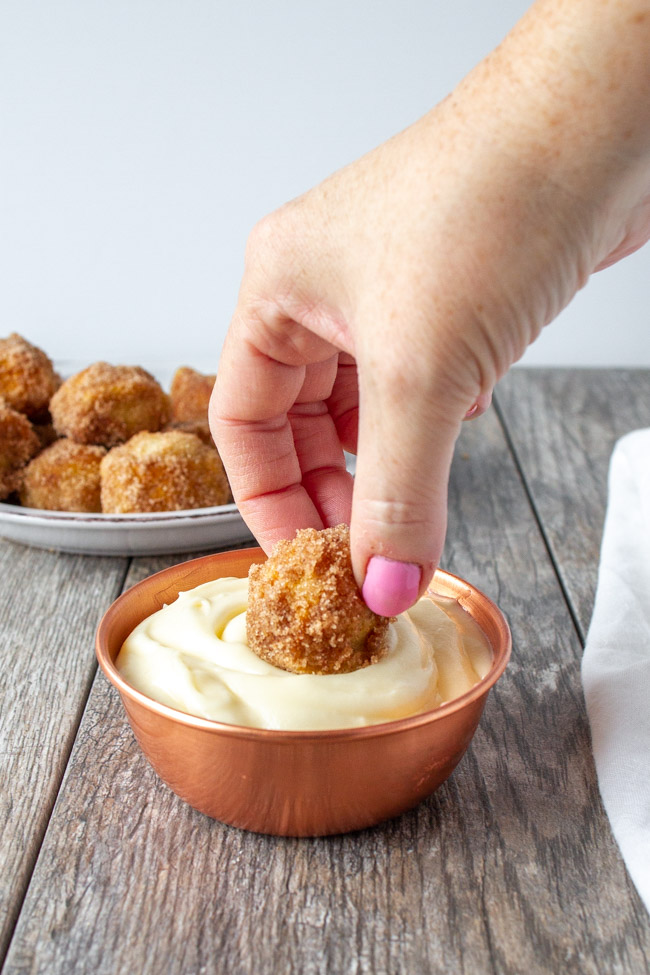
x=192, y=655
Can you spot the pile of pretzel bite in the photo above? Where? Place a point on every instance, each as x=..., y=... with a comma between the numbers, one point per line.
x=108, y=439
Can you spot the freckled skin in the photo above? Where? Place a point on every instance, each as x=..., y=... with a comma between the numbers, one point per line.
x=399, y=291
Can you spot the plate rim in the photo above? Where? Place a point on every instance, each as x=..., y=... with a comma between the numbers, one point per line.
x=15, y=512
x=28, y=521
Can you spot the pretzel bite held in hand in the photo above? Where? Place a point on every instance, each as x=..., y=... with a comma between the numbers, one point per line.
x=27, y=376
x=106, y=404
x=64, y=477
x=305, y=613
x=18, y=444
x=167, y=471
x=190, y=394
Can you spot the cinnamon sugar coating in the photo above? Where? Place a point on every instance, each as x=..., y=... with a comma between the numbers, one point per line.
x=305, y=612
x=190, y=394
x=64, y=477
x=107, y=404
x=199, y=427
x=27, y=376
x=18, y=444
x=166, y=471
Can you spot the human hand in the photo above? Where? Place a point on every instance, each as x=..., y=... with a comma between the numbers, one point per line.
x=376, y=309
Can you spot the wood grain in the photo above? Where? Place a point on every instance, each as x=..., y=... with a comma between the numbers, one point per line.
x=563, y=424
x=48, y=606
x=509, y=867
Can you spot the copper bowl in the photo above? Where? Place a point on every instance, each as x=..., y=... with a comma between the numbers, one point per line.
x=296, y=783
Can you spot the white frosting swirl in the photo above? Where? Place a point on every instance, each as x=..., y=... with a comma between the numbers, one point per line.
x=193, y=656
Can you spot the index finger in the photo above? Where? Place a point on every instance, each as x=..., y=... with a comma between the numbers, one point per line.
x=281, y=451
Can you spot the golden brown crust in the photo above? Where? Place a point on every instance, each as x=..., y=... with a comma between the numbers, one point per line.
x=305, y=612
x=18, y=444
x=201, y=428
x=27, y=376
x=106, y=404
x=190, y=394
x=167, y=471
x=64, y=477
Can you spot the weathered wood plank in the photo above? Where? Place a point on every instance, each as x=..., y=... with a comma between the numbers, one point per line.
x=48, y=607
x=563, y=424
x=510, y=867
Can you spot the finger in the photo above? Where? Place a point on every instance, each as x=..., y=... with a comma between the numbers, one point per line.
x=265, y=477
x=276, y=480
x=479, y=407
x=250, y=426
x=399, y=513
x=322, y=462
x=318, y=445
x=343, y=403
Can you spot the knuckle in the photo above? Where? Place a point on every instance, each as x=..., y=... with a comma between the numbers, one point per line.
x=413, y=514
x=261, y=238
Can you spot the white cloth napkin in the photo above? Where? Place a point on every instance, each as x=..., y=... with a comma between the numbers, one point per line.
x=616, y=662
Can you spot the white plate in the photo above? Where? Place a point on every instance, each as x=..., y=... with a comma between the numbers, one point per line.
x=155, y=533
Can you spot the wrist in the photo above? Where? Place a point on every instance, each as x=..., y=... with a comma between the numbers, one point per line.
x=588, y=82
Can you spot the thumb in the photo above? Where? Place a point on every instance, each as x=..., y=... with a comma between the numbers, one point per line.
x=407, y=433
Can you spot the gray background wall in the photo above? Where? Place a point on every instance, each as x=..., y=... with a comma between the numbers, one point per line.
x=140, y=140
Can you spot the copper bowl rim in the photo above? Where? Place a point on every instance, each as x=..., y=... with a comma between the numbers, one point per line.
x=460, y=590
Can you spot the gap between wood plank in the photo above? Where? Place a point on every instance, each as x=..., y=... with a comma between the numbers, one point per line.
x=120, y=587
x=538, y=519
x=66, y=756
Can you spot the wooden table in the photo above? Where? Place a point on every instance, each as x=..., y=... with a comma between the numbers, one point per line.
x=509, y=867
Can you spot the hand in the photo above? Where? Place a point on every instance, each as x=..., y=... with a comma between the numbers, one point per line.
x=378, y=308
